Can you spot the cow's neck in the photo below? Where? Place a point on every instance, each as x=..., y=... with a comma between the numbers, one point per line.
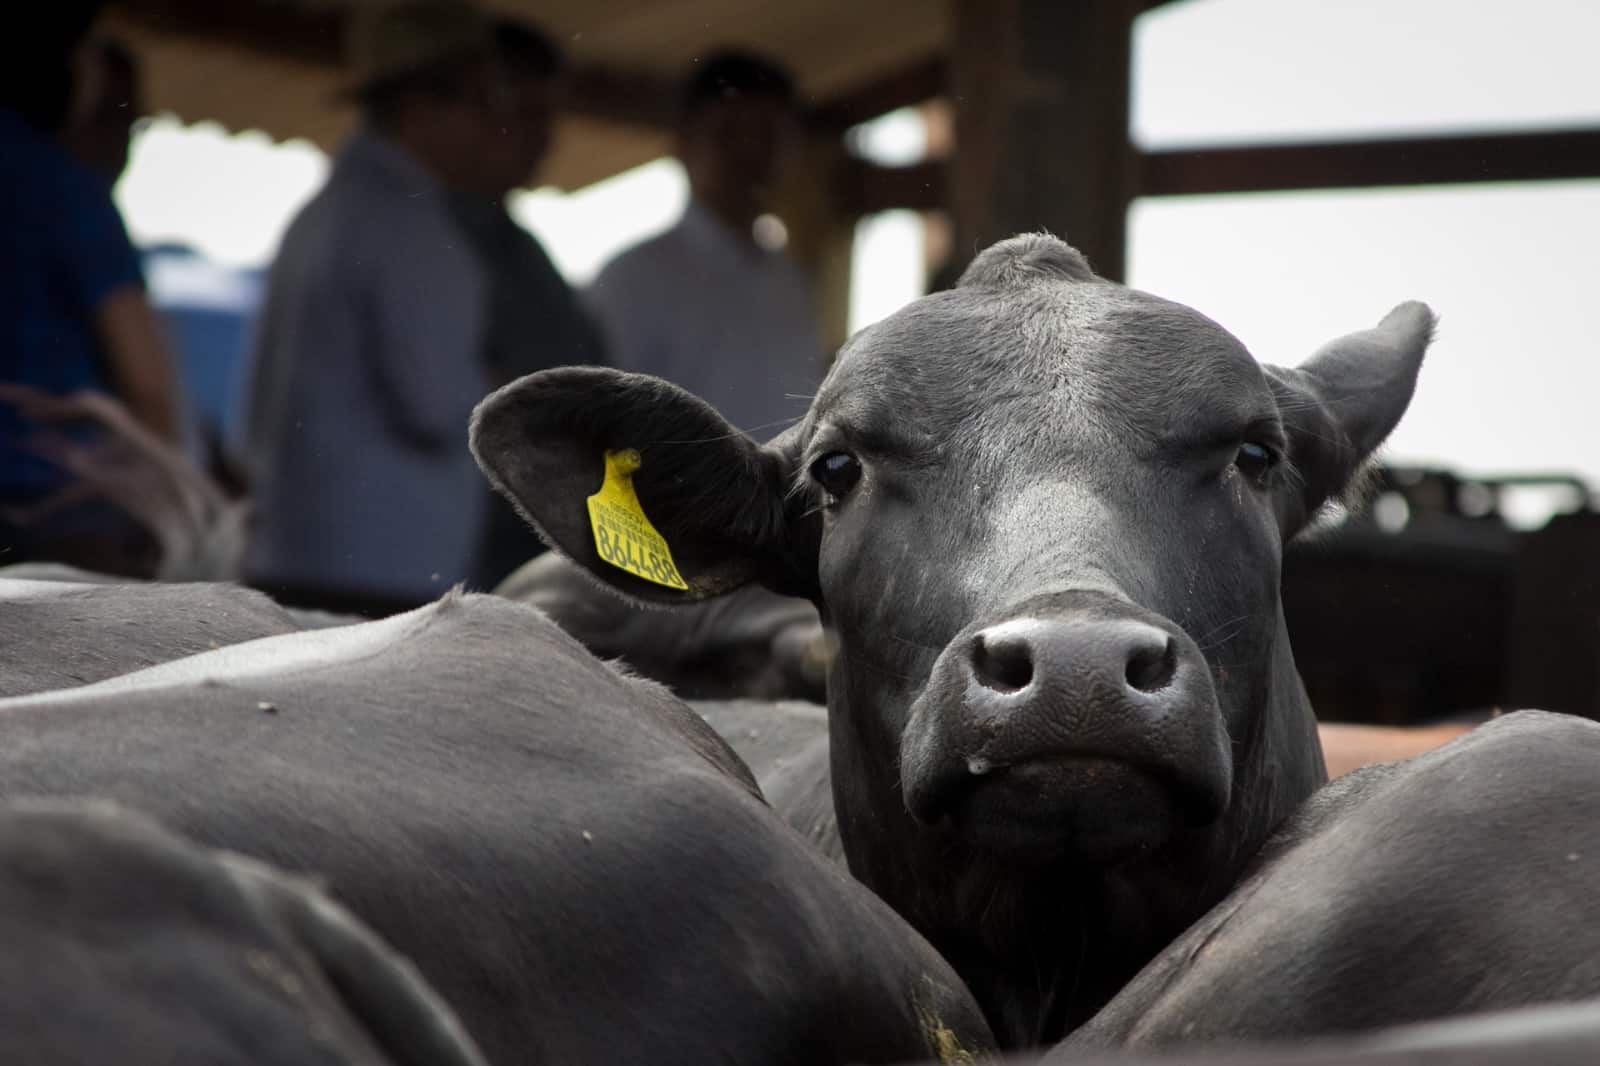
x=1284, y=759
x=1043, y=948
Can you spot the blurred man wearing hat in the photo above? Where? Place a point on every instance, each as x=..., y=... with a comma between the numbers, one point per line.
x=368, y=355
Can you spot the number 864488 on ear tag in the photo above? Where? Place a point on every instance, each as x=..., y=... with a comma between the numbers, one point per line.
x=623, y=535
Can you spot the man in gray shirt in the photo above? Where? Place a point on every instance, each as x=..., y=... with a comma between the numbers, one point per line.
x=368, y=357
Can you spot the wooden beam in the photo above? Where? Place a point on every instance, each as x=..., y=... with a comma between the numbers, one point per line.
x=1041, y=95
x=1544, y=156
x=821, y=235
x=628, y=97
x=914, y=84
x=864, y=188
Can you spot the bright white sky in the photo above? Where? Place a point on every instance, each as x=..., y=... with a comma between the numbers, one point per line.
x=1512, y=270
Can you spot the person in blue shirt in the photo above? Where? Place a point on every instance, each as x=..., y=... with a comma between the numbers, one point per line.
x=100, y=132
x=73, y=312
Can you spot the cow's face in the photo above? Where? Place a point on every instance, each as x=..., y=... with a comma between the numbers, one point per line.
x=1044, y=516
x=1050, y=550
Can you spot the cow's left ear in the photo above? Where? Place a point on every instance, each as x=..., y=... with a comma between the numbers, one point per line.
x=1338, y=407
x=660, y=462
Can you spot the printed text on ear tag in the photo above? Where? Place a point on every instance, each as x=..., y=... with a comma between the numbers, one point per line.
x=623, y=536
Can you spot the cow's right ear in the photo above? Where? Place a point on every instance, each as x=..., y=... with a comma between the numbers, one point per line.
x=1338, y=407
x=655, y=454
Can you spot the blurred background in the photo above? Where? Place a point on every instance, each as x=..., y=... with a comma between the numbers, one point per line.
x=1292, y=168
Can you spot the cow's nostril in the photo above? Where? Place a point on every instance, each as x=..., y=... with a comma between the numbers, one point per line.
x=1151, y=666
x=1003, y=663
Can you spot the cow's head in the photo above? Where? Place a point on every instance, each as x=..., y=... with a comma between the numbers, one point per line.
x=1044, y=515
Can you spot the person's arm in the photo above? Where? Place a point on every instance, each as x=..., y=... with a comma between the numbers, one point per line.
x=137, y=360
x=109, y=284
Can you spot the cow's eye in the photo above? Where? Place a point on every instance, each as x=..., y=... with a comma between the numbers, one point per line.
x=837, y=473
x=1255, y=461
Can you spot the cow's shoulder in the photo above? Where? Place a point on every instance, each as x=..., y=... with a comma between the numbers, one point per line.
x=1459, y=879
x=785, y=744
x=756, y=916
x=1516, y=765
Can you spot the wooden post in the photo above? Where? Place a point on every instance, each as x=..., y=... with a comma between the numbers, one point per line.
x=1040, y=89
x=821, y=233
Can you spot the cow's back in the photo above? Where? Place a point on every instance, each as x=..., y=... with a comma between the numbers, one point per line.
x=785, y=744
x=1566, y=1034
x=59, y=633
x=573, y=857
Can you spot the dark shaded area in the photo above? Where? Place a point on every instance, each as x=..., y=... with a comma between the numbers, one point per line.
x=1454, y=614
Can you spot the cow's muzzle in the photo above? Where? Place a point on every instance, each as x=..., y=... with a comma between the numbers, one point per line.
x=1081, y=724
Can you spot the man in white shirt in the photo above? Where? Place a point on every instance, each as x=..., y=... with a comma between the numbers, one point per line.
x=706, y=305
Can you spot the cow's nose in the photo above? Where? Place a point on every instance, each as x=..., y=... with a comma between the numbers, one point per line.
x=1009, y=659
x=1029, y=713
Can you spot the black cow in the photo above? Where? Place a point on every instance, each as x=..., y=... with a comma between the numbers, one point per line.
x=60, y=633
x=785, y=745
x=1464, y=879
x=571, y=856
x=124, y=943
x=1559, y=1035
x=304, y=617
x=74, y=575
x=750, y=644
x=1044, y=515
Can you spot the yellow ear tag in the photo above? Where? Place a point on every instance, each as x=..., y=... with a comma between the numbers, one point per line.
x=623, y=536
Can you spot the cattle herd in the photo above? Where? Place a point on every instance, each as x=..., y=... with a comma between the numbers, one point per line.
x=1066, y=802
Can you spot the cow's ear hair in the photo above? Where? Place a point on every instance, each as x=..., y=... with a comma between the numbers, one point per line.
x=721, y=501
x=1338, y=407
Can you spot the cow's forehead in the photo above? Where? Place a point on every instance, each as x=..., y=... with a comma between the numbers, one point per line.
x=1113, y=356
